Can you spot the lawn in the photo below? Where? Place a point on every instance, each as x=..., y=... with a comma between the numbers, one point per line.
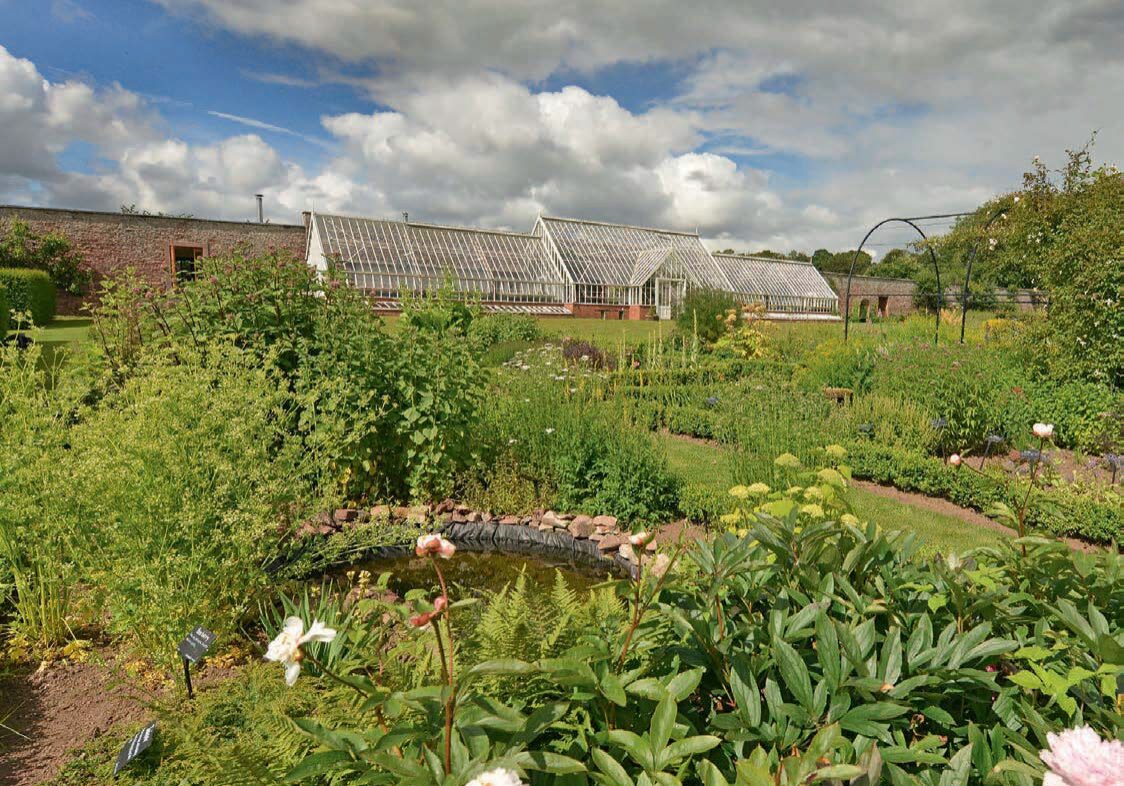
x=706, y=465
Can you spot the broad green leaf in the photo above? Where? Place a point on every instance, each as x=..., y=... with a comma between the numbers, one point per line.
x=612, y=769
x=794, y=673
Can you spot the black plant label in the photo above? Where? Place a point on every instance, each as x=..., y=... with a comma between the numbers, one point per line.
x=135, y=747
x=195, y=645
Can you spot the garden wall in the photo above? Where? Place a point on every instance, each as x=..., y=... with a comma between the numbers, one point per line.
x=883, y=296
x=115, y=241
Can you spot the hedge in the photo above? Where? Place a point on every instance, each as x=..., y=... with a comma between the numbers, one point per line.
x=1057, y=510
x=3, y=313
x=29, y=290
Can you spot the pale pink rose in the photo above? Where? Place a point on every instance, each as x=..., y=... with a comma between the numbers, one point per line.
x=434, y=544
x=1079, y=757
x=1043, y=430
x=955, y=459
x=639, y=538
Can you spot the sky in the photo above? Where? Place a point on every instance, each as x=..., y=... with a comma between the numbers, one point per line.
x=793, y=125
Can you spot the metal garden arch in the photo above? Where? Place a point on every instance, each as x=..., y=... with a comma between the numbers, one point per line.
x=968, y=269
x=932, y=256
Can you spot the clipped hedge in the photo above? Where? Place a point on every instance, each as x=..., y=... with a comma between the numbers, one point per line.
x=4, y=316
x=29, y=290
x=1055, y=510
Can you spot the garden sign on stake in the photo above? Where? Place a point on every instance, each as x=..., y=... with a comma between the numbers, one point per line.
x=193, y=647
x=137, y=745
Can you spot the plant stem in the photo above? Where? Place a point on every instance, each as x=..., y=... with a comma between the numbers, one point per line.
x=325, y=670
x=450, y=672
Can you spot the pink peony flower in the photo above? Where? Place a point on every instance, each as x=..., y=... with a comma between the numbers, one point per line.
x=434, y=544
x=955, y=459
x=1079, y=757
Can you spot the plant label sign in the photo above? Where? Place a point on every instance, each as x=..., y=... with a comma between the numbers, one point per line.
x=135, y=747
x=195, y=644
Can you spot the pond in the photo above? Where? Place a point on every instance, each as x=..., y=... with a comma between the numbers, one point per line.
x=484, y=571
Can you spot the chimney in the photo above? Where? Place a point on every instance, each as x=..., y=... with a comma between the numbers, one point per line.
x=261, y=211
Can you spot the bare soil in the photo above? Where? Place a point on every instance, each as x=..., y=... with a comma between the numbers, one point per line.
x=46, y=714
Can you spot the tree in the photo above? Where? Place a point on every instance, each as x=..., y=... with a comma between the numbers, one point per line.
x=20, y=246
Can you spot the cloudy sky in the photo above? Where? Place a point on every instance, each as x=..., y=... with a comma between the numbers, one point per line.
x=761, y=124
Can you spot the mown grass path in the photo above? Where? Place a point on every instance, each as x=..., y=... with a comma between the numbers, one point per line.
x=941, y=528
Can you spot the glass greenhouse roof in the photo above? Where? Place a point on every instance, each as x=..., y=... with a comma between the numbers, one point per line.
x=621, y=255
x=431, y=251
x=782, y=281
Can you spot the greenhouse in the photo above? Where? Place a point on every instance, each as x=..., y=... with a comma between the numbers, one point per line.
x=563, y=266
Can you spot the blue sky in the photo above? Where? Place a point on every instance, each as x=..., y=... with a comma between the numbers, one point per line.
x=787, y=127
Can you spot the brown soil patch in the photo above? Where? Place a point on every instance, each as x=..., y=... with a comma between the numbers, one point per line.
x=54, y=711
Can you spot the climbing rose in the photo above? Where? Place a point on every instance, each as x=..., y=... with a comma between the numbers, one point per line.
x=434, y=544
x=1079, y=757
x=954, y=459
x=286, y=648
x=496, y=777
x=639, y=538
x=1043, y=430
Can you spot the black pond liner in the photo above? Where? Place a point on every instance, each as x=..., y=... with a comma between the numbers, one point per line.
x=504, y=539
x=517, y=539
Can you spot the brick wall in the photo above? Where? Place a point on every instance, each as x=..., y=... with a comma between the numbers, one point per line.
x=881, y=296
x=115, y=241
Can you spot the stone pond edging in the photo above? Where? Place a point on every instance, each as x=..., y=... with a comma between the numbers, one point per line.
x=544, y=531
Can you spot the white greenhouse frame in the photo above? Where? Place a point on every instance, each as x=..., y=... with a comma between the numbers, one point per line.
x=561, y=263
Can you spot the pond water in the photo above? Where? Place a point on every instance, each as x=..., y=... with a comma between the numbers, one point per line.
x=482, y=572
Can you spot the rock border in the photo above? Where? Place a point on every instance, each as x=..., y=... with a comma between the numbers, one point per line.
x=593, y=537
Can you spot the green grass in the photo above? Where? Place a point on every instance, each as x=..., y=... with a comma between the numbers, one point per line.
x=607, y=333
x=707, y=466
x=65, y=330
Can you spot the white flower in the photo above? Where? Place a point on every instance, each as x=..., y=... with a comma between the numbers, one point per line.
x=954, y=459
x=1016, y=199
x=286, y=648
x=1043, y=430
x=639, y=538
x=511, y=441
x=496, y=777
x=549, y=431
x=992, y=242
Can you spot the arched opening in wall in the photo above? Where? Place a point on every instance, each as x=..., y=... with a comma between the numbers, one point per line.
x=883, y=306
x=864, y=310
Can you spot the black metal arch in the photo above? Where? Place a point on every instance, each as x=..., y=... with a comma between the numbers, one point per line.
x=932, y=256
x=968, y=269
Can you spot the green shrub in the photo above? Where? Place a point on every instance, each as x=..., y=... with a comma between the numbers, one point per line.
x=837, y=364
x=586, y=455
x=5, y=313
x=31, y=291
x=175, y=495
x=387, y=414
x=488, y=331
x=703, y=313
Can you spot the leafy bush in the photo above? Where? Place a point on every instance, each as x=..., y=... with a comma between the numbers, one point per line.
x=386, y=414
x=703, y=313
x=53, y=253
x=585, y=456
x=176, y=491
x=579, y=352
x=5, y=313
x=31, y=291
x=493, y=329
x=837, y=364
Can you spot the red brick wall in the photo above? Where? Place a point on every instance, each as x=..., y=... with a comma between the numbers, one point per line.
x=591, y=311
x=115, y=241
x=896, y=292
